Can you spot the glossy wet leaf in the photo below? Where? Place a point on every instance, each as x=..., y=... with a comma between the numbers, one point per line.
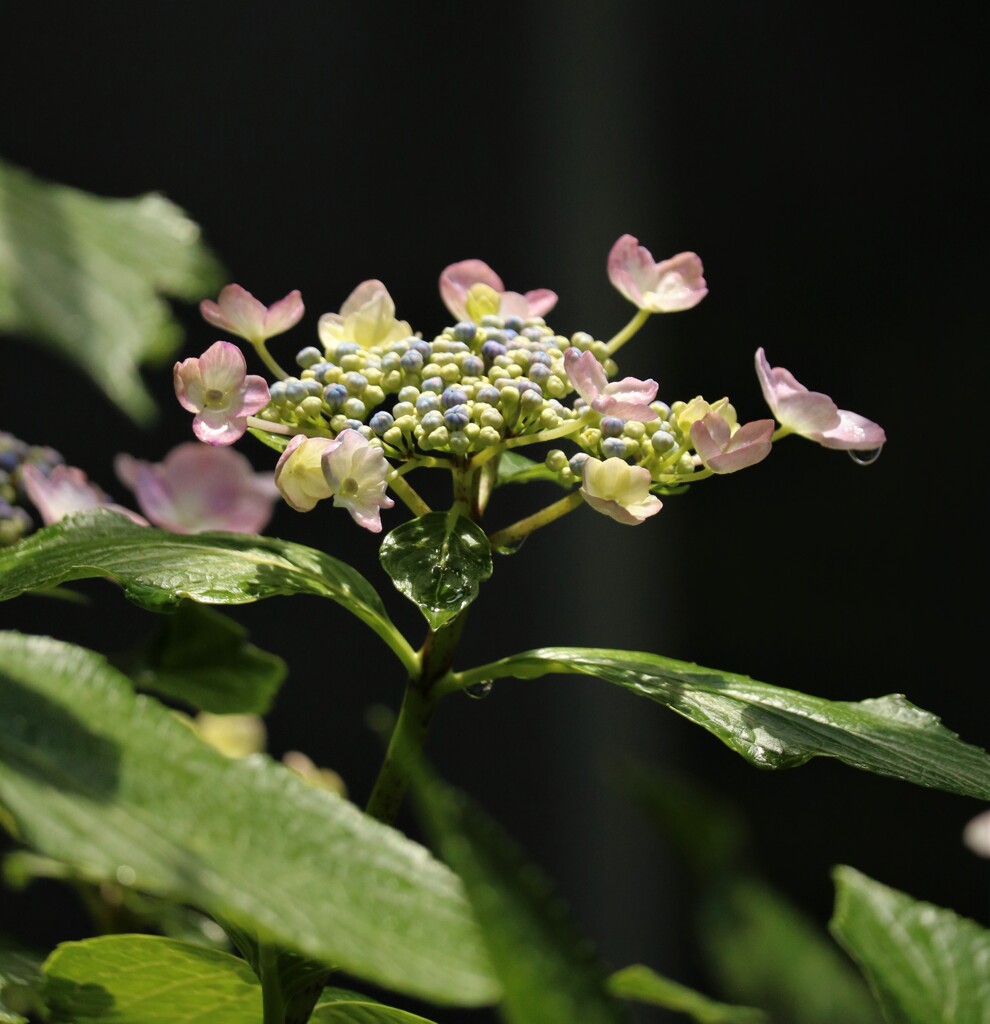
x=438, y=561
x=203, y=658
x=158, y=569
x=548, y=971
x=145, y=979
x=644, y=985
x=113, y=783
x=776, y=728
x=89, y=277
x=925, y=964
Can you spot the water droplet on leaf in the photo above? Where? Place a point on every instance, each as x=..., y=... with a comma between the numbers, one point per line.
x=866, y=457
x=479, y=690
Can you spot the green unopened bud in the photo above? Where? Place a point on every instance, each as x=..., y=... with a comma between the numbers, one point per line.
x=488, y=437
x=556, y=460
x=310, y=408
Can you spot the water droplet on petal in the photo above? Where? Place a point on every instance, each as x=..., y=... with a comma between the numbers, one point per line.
x=479, y=690
x=866, y=457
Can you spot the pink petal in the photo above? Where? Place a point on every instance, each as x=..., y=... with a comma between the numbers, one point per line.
x=854, y=433
x=585, y=372
x=671, y=286
x=237, y=311
x=724, y=452
x=457, y=279
x=628, y=399
x=223, y=366
x=284, y=314
x=540, y=301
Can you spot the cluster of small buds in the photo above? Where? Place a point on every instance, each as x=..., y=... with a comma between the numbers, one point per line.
x=15, y=454
x=472, y=387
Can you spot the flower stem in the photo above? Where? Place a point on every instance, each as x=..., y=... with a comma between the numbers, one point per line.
x=515, y=533
x=628, y=331
x=407, y=494
x=266, y=357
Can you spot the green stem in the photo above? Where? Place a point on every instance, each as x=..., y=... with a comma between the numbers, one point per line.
x=409, y=733
x=407, y=494
x=524, y=527
x=273, y=1005
x=628, y=331
x=266, y=357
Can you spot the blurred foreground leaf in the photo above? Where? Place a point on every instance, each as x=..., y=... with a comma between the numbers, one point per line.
x=88, y=276
x=548, y=972
x=926, y=965
x=113, y=783
x=776, y=728
x=646, y=986
x=20, y=983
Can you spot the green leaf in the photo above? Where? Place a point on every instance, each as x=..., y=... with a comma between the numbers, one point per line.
x=438, y=561
x=202, y=657
x=776, y=728
x=926, y=965
x=114, y=784
x=145, y=979
x=158, y=569
x=646, y=986
x=20, y=983
x=339, y=1006
x=88, y=276
x=548, y=972
x=517, y=469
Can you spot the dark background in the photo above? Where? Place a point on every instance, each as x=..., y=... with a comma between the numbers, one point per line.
x=823, y=164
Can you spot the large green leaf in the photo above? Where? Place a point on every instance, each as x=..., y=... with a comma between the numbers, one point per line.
x=776, y=728
x=438, y=561
x=111, y=782
x=145, y=979
x=203, y=658
x=88, y=276
x=646, y=986
x=926, y=965
x=548, y=971
x=158, y=569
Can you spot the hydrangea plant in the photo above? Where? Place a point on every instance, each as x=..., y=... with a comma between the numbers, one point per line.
x=292, y=897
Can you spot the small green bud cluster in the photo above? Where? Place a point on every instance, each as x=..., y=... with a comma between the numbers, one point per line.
x=662, y=446
x=471, y=388
x=15, y=521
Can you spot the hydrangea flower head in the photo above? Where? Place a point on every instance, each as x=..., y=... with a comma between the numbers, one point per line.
x=812, y=414
x=65, y=490
x=471, y=289
x=619, y=490
x=299, y=472
x=367, y=317
x=626, y=399
x=665, y=287
x=217, y=388
x=239, y=312
x=357, y=475
x=198, y=487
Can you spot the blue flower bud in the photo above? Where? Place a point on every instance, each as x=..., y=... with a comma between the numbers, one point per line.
x=427, y=403
x=576, y=463
x=452, y=397
x=295, y=390
x=487, y=394
x=514, y=323
x=381, y=422
x=473, y=366
x=347, y=348
x=612, y=426
x=492, y=349
x=308, y=357
x=354, y=382
x=412, y=361
x=662, y=442
x=613, y=448
x=433, y=384
x=421, y=346
x=465, y=330
x=334, y=395
x=457, y=418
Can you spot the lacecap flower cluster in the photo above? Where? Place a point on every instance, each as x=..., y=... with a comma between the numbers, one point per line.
x=374, y=399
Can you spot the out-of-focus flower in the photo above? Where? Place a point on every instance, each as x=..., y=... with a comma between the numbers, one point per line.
x=725, y=447
x=619, y=490
x=240, y=313
x=299, y=471
x=626, y=399
x=976, y=834
x=323, y=778
x=234, y=736
x=367, y=317
x=470, y=289
x=665, y=287
x=65, y=490
x=812, y=414
x=356, y=473
x=199, y=488
x=217, y=387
